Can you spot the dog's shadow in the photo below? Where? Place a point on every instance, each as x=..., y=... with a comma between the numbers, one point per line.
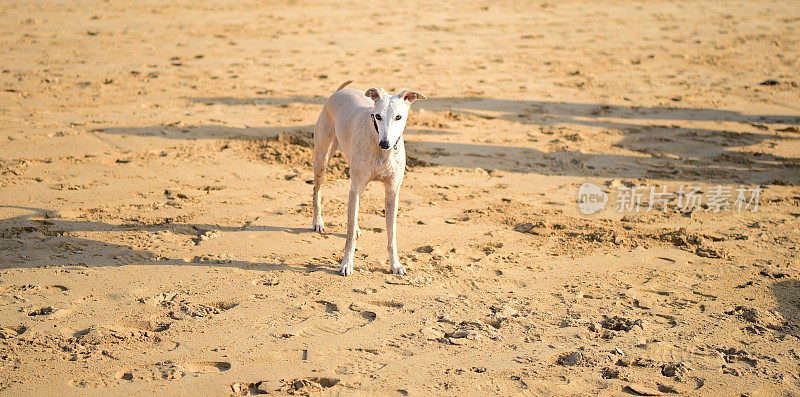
x=36, y=238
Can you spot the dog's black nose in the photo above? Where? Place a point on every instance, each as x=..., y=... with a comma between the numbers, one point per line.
x=384, y=144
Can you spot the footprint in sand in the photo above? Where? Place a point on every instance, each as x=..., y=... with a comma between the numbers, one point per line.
x=88, y=383
x=389, y=304
x=299, y=386
x=207, y=367
x=154, y=325
x=369, y=316
x=327, y=318
x=42, y=311
x=113, y=334
x=308, y=385
x=30, y=288
x=11, y=332
x=329, y=307
x=181, y=307
x=169, y=370
x=363, y=362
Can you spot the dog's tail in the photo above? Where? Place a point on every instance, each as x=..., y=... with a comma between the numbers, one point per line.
x=344, y=84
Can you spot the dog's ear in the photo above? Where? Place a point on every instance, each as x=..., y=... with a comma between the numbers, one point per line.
x=411, y=96
x=375, y=93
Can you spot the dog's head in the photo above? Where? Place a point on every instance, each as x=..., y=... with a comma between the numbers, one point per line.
x=390, y=114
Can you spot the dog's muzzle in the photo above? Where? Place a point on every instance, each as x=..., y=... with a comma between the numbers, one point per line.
x=383, y=144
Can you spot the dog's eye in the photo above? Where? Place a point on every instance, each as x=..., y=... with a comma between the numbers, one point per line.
x=398, y=117
x=377, y=117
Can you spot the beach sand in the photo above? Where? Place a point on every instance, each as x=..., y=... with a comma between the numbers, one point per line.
x=155, y=199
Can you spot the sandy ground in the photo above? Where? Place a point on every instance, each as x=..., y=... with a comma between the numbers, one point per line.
x=155, y=199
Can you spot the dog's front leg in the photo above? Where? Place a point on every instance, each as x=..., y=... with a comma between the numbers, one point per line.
x=392, y=198
x=356, y=188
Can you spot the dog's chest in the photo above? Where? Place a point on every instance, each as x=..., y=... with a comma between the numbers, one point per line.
x=391, y=166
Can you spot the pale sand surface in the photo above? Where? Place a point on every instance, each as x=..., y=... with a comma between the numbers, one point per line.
x=155, y=235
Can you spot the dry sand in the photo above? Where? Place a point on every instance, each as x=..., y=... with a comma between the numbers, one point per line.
x=155, y=234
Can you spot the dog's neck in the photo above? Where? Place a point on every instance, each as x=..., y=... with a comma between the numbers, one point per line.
x=390, y=159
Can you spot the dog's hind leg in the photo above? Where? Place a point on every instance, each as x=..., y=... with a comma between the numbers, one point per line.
x=324, y=145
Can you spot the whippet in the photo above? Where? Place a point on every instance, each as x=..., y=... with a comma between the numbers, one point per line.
x=370, y=133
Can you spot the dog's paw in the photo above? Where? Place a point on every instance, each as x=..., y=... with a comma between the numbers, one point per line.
x=319, y=226
x=346, y=268
x=399, y=269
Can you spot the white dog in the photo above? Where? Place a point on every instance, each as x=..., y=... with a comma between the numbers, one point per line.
x=370, y=133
